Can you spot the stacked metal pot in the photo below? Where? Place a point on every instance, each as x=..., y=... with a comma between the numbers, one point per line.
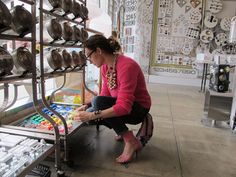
x=65, y=31
x=58, y=59
x=19, y=61
x=6, y=62
x=62, y=59
x=70, y=7
x=18, y=19
x=21, y=22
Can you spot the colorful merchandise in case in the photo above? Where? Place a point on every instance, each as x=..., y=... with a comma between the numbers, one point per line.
x=39, y=122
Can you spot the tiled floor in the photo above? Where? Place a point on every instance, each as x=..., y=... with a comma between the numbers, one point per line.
x=180, y=147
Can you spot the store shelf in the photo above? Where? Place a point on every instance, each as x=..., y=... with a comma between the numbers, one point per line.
x=28, y=168
x=62, y=45
x=45, y=134
x=31, y=130
x=19, y=83
x=23, y=80
x=62, y=103
x=26, y=162
x=31, y=2
x=220, y=94
x=62, y=17
x=93, y=31
x=16, y=125
x=16, y=78
x=14, y=37
x=61, y=73
x=27, y=133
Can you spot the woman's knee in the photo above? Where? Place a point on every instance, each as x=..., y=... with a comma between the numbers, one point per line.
x=96, y=101
x=102, y=102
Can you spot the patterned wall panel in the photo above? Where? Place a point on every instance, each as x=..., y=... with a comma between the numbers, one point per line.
x=143, y=32
x=177, y=33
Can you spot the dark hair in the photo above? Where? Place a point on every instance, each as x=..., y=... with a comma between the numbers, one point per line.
x=109, y=45
x=114, y=34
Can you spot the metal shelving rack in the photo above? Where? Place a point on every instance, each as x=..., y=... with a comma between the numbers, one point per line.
x=14, y=78
x=43, y=76
x=76, y=126
x=17, y=80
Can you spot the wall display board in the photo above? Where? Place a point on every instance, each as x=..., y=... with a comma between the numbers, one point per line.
x=217, y=24
x=134, y=23
x=177, y=29
x=128, y=39
x=143, y=31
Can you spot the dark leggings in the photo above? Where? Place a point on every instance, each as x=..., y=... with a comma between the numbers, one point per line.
x=135, y=117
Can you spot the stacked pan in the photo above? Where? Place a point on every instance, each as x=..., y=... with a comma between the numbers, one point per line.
x=70, y=7
x=58, y=60
x=6, y=62
x=60, y=30
x=64, y=31
x=18, y=19
x=19, y=61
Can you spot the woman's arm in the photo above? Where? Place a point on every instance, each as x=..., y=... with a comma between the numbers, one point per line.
x=87, y=116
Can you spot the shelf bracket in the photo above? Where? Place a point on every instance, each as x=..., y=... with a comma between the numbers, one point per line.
x=59, y=88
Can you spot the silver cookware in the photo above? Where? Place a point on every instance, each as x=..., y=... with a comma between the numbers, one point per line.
x=84, y=34
x=55, y=60
x=67, y=59
x=83, y=58
x=66, y=5
x=76, y=9
x=54, y=29
x=67, y=32
x=6, y=62
x=5, y=16
x=22, y=21
x=77, y=34
x=75, y=58
x=55, y=3
x=23, y=60
x=85, y=12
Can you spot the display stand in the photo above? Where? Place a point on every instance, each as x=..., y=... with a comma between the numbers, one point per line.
x=205, y=73
x=23, y=166
x=81, y=69
x=217, y=107
x=10, y=124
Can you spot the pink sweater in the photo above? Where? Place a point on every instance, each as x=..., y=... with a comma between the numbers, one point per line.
x=131, y=86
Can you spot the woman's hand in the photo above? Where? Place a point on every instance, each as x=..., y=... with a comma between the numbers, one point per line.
x=82, y=108
x=84, y=116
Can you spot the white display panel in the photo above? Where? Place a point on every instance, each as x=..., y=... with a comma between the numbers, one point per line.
x=177, y=33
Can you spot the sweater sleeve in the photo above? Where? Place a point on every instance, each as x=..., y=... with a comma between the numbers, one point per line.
x=128, y=82
x=104, y=89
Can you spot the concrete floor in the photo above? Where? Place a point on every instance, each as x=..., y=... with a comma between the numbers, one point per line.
x=180, y=147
